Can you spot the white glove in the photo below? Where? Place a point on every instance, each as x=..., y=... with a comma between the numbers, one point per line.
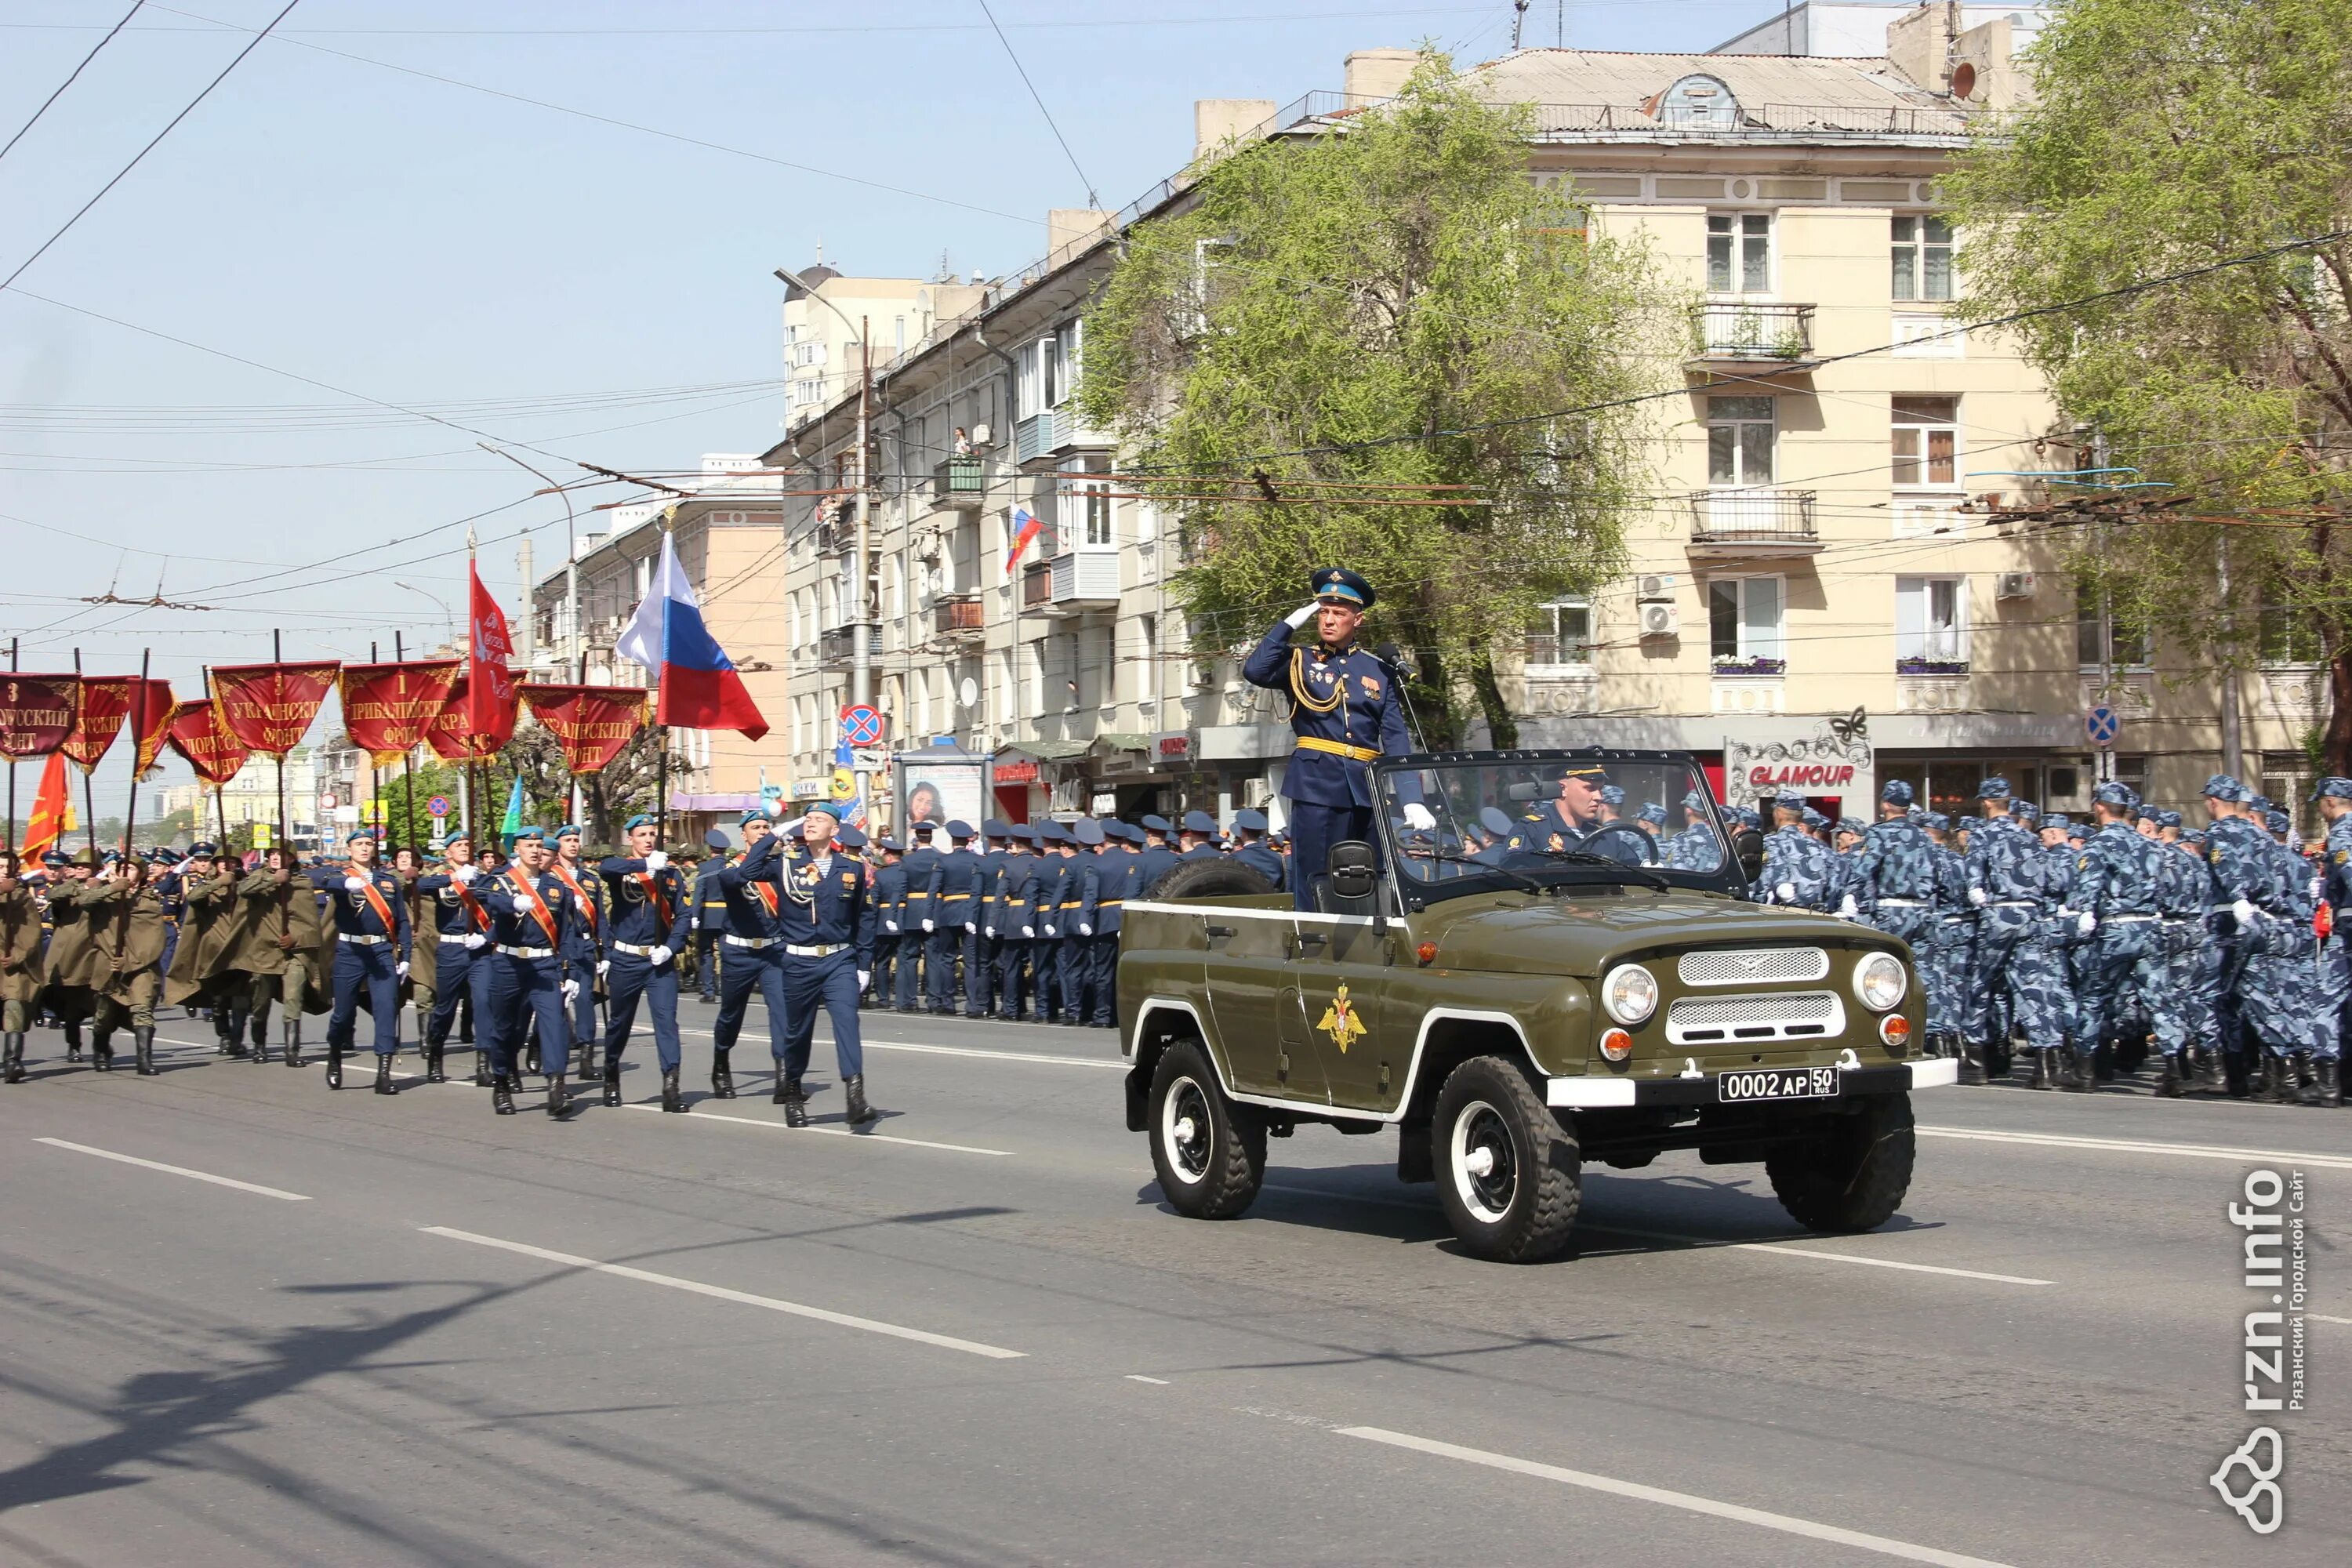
x=657, y=861
x=1029, y=931
x=2245, y=912
x=465, y=873
x=2085, y=923
x=1418, y=816
x=399, y=970
x=1053, y=930
x=970, y=927
x=659, y=956
x=355, y=884
x=1847, y=908
x=1977, y=896
x=571, y=989
x=928, y=926
x=1085, y=930
x=891, y=926
x=865, y=978
x=1301, y=616
x=476, y=941
x=1786, y=892
x=602, y=965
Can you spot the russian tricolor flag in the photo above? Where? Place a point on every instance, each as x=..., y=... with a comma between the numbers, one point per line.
x=700, y=687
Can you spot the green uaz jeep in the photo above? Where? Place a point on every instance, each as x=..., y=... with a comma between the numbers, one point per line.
x=1536, y=980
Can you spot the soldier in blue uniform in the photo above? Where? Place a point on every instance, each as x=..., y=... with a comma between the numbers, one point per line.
x=1159, y=859
x=1196, y=836
x=371, y=938
x=1045, y=888
x=461, y=968
x=1119, y=877
x=583, y=963
x=1890, y=885
x=827, y=931
x=1694, y=849
x=1346, y=714
x=1018, y=923
x=955, y=910
x=980, y=981
x=530, y=917
x=753, y=962
x=1080, y=885
x=2238, y=881
x=2112, y=901
x=1250, y=829
x=2281, y=977
x=1797, y=866
x=2334, y=986
x=647, y=899
x=2004, y=887
x=887, y=895
x=917, y=923
x=710, y=924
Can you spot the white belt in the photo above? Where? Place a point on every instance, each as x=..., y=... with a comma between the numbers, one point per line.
x=632, y=950
x=1902, y=903
x=2127, y=920
x=822, y=950
x=2013, y=904
x=453, y=938
x=362, y=940
x=527, y=951
x=750, y=942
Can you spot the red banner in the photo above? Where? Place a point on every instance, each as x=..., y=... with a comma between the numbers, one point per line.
x=387, y=708
x=205, y=742
x=452, y=736
x=489, y=684
x=105, y=704
x=593, y=721
x=38, y=713
x=151, y=719
x=268, y=707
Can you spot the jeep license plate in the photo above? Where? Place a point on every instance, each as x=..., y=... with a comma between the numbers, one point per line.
x=1777, y=1083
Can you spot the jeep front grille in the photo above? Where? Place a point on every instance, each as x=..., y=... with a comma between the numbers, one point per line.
x=1752, y=966
x=1754, y=1020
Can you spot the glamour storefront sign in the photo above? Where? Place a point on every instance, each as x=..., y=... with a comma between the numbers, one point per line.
x=1828, y=756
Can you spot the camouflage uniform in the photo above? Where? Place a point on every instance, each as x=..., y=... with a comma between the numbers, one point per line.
x=2121, y=957
x=1796, y=861
x=2238, y=871
x=2005, y=887
x=1891, y=881
x=2041, y=986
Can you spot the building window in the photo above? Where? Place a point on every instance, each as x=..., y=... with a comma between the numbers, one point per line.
x=1564, y=635
x=1035, y=388
x=1739, y=253
x=1147, y=667
x=1926, y=442
x=1744, y=625
x=1084, y=507
x=2286, y=778
x=1068, y=350
x=1922, y=254
x=2103, y=637
x=1931, y=625
x=1739, y=441
x=2289, y=635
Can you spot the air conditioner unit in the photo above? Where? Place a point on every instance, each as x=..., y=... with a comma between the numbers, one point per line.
x=1661, y=620
x=2013, y=585
x=1651, y=586
x=981, y=438
x=1256, y=793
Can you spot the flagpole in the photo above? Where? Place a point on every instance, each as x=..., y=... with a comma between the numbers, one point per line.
x=11, y=841
x=138, y=707
x=408, y=773
x=583, y=680
x=88, y=796
x=661, y=787
x=278, y=656
x=220, y=804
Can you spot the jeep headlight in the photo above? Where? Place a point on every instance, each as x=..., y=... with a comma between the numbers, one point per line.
x=1879, y=981
x=1630, y=993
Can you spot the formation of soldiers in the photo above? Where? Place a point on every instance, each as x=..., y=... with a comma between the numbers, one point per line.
x=2074, y=950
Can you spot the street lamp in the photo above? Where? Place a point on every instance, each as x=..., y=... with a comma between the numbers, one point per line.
x=448, y=621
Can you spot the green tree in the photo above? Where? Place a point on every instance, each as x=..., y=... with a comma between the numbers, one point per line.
x=2169, y=135
x=627, y=784
x=1395, y=307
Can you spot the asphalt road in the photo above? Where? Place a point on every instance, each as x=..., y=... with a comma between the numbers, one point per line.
x=246, y=1321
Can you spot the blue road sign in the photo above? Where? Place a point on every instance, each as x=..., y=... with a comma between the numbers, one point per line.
x=2102, y=725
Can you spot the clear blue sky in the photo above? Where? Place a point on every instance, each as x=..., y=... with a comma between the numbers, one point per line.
x=510, y=266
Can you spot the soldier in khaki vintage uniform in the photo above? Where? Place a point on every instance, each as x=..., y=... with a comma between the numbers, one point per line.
x=20, y=965
x=125, y=909
x=279, y=936
x=69, y=968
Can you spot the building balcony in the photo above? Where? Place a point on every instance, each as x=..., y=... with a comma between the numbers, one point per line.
x=838, y=646
x=1071, y=584
x=1754, y=522
x=961, y=482
x=959, y=616
x=1055, y=433
x=1744, y=335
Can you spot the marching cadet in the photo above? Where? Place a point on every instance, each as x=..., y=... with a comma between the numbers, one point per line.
x=888, y=894
x=1945, y=971
x=753, y=964
x=2179, y=890
x=998, y=835
x=1046, y=894
x=1015, y=890
x=371, y=943
x=20, y=964
x=1081, y=888
x=126, y=921
x=2333, y=795
x=2230, y=1004
x=2004, y=886
x=1891, y=886
x=279, y=936
x=1119, y=877
x=71, y=964
x=916, y=922
x=1249, y=848
x=709, y=923
x=2112, y=902
x=583, y=960
x=1196, y=837
x=955, y=910
x=2286, y=972
x=1797, y=866
x=460, y=931
x=827, y=932
x=647, y=899
x=197, y=974
x=530, y=917
x=1159, y=859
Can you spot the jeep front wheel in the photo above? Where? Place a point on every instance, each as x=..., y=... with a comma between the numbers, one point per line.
x=1508, y=1176
x=1853, y=1176
x=1209, y=1153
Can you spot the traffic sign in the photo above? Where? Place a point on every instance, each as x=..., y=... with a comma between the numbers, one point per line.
x=2102, y=725
x=861, y=725
x=437, y=806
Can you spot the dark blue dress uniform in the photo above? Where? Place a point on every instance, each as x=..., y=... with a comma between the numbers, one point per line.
x=888, y=894
x=1046, y=891
x=1119, y=877
x=371, y=953
x=921, y=863
x=754, y=961
x=1254, y=853
x=828, y=928
x=1346, y=714
x=530, y=918
x=1081, y=885
x=1203, y=826
x=1159, y=859
x=710, y=923
x=461, y=958
x=584, y=957
x=1016, y=922
x=955, y=906
x=981, y=994
x=648, y=920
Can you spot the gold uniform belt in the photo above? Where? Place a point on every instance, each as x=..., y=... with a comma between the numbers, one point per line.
x=1339, y=749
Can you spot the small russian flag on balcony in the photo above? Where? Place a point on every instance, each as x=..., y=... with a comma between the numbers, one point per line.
x=1025, y=527
x=700, y=687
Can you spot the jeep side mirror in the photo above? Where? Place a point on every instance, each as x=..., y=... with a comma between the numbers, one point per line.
x=1747, y=848
x=1351, y=869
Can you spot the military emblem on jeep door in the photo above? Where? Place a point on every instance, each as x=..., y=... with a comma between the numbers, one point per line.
x=1339, y=1022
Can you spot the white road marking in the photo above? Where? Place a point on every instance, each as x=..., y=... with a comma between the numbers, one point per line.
x=700, y=1115
x=1046, y=1058
x=1155, y=1381
x=363, y=1060
x=1834, y=1534
x=2325, y=1318
x=1780, y=1249
x=177, y=1171
x=742, y=1298
x=2125, y=1146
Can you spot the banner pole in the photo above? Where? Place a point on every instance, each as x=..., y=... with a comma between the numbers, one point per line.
x=88, y=796
x=278, y=657
x=10, y=843
x=661, y=784
x=220, y=804
x=137, y=704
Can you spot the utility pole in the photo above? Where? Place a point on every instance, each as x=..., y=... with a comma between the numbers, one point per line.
x=530, y=608
x=861, y=662
x=2232, y=740
x=1518, y=20
x=2106, y=611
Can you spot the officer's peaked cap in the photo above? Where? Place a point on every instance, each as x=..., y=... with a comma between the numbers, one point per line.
x=1337, y=586
x=1199, y=822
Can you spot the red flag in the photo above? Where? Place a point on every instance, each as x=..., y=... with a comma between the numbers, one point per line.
x=593, y=721
x=205, y=742
x=451, y=735
x=48, y=819
x=151, y=719
x=97, y=719
x=387, y=708
x=489, y=684
x=268, y=707
x=38, y=713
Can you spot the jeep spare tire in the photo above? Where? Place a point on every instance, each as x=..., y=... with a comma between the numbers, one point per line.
x=1508, y=1176
x=1209, y=877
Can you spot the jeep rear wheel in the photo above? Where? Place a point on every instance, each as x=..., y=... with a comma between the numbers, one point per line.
x=1209, y=1153
x=1508, y=1176
x=1853, y=1174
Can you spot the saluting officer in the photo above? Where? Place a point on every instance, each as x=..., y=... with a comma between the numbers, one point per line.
x=530, y=918
x=371, y=938
x=752, y=961
x=648, y=897
x=828, y=930
x=461, y=966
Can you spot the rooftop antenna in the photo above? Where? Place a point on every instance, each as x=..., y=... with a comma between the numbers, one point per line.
x=1518, y=20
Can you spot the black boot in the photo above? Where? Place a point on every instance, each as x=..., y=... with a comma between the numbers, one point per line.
x=795, y=1103
x=2299, y=1080
x=2330, y=1071
x=530, y=1058
x=384, y=1084
x=1973, y=1068
x=259, y=1050
x=859, y=1112
x=482, y=1079
x=260, y=1028
x=613, y=1083
x=2044, y=1068
x=101, y=1051
x=2171, y=1086
x=2082, y=1074
x=12, y=1058
x=73, y=1040
x=334, y=1064
x=292, y=1031
x=225, y=1038
x=142, y=1043
x=502, y=1094
x=559, y=1096
x=672, y=1101
x=722, y=1076
x=432, y=1069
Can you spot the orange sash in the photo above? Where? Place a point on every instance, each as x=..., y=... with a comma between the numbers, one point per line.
x=652, y=885
x=473, y=905
x=376, y=901
x=587, y=905
x=538, y=909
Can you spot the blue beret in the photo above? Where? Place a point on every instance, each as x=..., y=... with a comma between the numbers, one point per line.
x=2222, y=787
x=1156, y=823
x=832, y=808
x=357, y=833
x=569, y=830
x=1613, y=794
x=1087, y=831
x=1994, y=788
x=1337, y=586
x=1788, y=799
x=643, y=819
x=1199, y=822
x=1651, y=811
x=2340, y=787
x=959, y=829
x=535, y=834
x=2114, y=793
x=1897, y=793
x=749, y=817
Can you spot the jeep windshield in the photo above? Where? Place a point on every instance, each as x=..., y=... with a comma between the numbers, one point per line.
x=1550, y=819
